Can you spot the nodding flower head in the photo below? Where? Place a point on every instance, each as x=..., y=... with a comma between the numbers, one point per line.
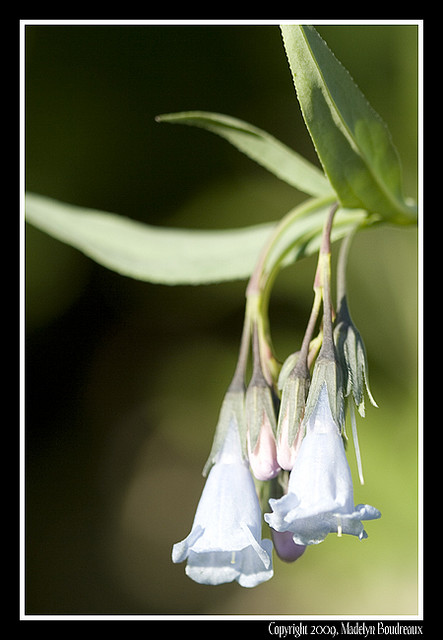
x=225, y=541
x=320, y=498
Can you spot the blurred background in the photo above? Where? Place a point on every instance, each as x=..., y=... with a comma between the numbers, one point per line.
x=124, y=379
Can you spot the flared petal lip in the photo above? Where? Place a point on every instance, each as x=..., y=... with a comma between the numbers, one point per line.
x=366, y=512
x=214, y=575
x=182, y=549
x=361, y=512
x=217, y=566
x=211, y=575
x=313, y=528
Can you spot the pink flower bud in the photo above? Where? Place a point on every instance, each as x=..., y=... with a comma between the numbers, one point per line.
x=263, y=459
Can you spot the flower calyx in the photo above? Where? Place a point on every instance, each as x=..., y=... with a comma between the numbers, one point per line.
x=327, y=371
x=294, y=386
x=351, y=353
x=232, y=410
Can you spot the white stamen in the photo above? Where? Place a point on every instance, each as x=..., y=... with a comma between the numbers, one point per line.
x=355, y=439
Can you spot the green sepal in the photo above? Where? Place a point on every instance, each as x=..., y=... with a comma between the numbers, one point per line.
x=295, y=387
x=352, y=356
x=327, y=371
x=260, y=406
x=287, y=368
x=233, y=408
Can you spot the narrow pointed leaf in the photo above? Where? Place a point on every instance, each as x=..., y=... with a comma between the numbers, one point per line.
x=183, y=256
x=144, y=252
x=266, y=150
x=352, y=142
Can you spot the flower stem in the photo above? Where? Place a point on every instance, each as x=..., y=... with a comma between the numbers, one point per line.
x=238, y=381
x=324, y=280
x=341, y=267
x=262, y=279
x=342, y=306
x=261, y=274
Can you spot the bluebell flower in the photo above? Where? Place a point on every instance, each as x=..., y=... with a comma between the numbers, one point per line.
x=225, y=541
x=320, y=497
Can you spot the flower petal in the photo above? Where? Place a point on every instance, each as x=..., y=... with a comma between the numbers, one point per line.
x=180, y=550
x=263, y=553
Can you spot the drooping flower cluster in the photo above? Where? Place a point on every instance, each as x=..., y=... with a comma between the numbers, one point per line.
x=285, y=447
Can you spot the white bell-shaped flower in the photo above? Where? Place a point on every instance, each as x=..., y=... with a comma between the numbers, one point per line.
x=225, y=541
x=320, y=496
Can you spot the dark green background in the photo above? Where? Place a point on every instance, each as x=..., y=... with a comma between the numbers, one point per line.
x=124, y=379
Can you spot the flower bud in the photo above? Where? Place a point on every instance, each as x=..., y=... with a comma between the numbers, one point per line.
x=351, y=353
x=261, y=428
x=295, y=387
x=285, y=547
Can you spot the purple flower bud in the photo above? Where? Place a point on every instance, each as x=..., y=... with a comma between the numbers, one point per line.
x=285, y=547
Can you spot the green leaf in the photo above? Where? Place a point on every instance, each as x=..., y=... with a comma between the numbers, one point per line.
x=144, y=252
x=185, y=256
x=352, y=142
x=269, y=152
